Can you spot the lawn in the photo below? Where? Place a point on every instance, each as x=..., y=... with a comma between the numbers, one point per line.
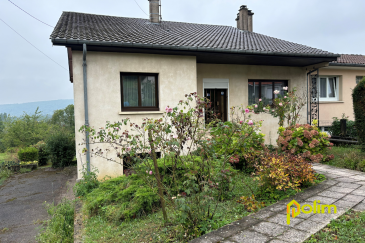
x=2, y=157
x=349, y=157
x=350, y=227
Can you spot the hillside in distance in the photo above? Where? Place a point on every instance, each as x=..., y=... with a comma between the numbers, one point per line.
x=46, y=107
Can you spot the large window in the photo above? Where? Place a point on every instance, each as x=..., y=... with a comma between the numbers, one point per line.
x=328, y=88
x=264, y=89
x=139, y=92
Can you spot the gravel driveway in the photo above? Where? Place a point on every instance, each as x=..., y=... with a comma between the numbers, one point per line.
x=22, y=197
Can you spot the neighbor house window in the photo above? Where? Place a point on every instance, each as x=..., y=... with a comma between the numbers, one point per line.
x=139, y=92
x=264, y=89
x=359, y=78
x=328, y=88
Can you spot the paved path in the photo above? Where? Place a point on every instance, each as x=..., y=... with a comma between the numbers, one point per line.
x=21, y=201
x=344, y=188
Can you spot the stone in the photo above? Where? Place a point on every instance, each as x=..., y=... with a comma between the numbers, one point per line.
x=353, y=198
x=263, y=214
x=282, y=220
x=341, y=189
x=236, y=227
x=270, y=229
x=348, y=185
x=311, y=226
x=322, y=199
x=332, y=194
x=208, y=238
x=294, y=235
x=345, y=204
x=249, y=236
x=359, y=207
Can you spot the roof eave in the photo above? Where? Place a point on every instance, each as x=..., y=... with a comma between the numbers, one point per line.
x=58, y=41
x=347, y=64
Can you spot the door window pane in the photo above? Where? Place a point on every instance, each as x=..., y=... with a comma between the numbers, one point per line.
x=253, y=93
x=331, y=87
x=130, y=91
x=148, y=90
x=266, y=93
x=323, y=87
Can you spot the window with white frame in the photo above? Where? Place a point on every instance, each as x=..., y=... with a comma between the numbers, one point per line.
x=359, y=78
x=328, y=88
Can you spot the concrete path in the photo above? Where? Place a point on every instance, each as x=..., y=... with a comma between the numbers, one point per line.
x=343, y=188
x=22, y=197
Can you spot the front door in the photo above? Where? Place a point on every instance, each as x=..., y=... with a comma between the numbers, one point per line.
x=218, y=99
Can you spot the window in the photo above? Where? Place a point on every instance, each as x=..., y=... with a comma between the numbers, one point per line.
x=139, y=92
x=328, y=88
x=264, y=89
x=359, y=78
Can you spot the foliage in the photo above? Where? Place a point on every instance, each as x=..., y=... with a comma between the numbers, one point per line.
x=43, y=155
x=335, y=128
x=64, y=118
x=122, y=198
x=24, y=170
x=60, y=228
x=349, y=157
x=88, y=184
x=286, y=107
x=25, y=131
x=283, y=171
x=28, y=154
x=350, y=227
x=306, y=140
x=250, y=203
x=358, y=97
x=5, y=173
x=61, y=149
x=3, y=117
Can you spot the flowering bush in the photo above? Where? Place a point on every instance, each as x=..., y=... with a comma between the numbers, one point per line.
x=283, y=171
x=306, y=140
x=286, y=107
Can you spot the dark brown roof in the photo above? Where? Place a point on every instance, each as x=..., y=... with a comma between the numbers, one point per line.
x=76, y=28
x=347, y=59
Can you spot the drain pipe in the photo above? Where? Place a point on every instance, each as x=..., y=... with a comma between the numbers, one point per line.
x=86, y=108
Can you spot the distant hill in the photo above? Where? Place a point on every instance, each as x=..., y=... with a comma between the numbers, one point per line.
x=47, y=107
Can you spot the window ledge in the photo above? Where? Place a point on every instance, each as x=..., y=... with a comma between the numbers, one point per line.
x=328, y=102
x=140, y=112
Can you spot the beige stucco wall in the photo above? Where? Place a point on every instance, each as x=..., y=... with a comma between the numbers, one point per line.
x=347, y=76
x=238, y=76
x=177, y=77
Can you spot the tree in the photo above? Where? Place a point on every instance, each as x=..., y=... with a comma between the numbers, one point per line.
x=64, y=118
x=358, y=97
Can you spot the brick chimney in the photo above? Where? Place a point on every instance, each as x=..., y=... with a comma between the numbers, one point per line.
x=154, y=11
x=244, y=19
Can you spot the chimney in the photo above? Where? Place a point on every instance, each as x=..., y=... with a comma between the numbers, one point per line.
x=154, y=11
x=244, y=19
x=250, y=17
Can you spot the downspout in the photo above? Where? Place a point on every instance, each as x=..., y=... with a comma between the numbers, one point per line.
x=86, y=107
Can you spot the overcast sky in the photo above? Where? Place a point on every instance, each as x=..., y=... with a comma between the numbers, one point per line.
x=26, y=75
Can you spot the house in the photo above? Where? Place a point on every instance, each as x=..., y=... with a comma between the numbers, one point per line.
x=336, y=82
x=130, y=67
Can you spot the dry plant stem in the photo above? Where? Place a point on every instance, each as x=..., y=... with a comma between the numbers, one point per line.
x=158, y=178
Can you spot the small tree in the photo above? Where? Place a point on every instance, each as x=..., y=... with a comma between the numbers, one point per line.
x=358, y=96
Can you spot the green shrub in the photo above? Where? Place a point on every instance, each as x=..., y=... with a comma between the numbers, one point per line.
x=335, y=128
x=306, y=140
x=358, y=97
x=28, y=154
x=60, y=228
x=88, y=184
x=122, y=198
x=43, y=155
x=61, y=149
x=361, y=166
x=351, y=160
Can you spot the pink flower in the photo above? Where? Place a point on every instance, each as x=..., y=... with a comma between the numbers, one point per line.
x=276, y=92
x=168, y=109
x=151, y=172
x=128, y=149
x=175, y=136
x=241, y=122
x=264, y=109
x=285, y=88
x=255, y=106
x=281, y=104
x=329, y=135
x=189, y=138
x=247, y=111
x=146, y=172
x=284, y=97
x=250, y=122
x=260, y=100
x=149, y=151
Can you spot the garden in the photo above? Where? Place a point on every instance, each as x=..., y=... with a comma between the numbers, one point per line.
x=184, y=178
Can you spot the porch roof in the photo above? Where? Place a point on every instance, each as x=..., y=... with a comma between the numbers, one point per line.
x=349, y=60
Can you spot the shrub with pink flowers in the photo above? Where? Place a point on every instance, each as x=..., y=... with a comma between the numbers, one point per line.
x=306, y=140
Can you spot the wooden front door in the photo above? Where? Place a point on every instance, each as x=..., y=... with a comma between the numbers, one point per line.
x=218, y=99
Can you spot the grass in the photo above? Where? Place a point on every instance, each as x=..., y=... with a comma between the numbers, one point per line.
x=350, y=227
x=60, y=228
x=2, y=157
x=349, y=157
x=149, y=228
x=4, y=174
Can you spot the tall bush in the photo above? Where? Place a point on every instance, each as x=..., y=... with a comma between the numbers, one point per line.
x=61, y=149
x=43, y=155
x=358, y=97
x=28, y=154
x=335, y=128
